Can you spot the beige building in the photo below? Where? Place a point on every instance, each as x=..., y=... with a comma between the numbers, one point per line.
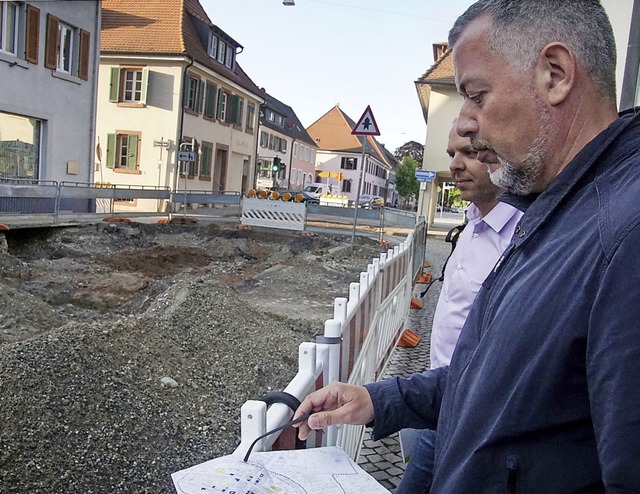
x=175, y=109
x=441, y=103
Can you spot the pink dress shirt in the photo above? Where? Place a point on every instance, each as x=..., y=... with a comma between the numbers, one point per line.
x=478, y=249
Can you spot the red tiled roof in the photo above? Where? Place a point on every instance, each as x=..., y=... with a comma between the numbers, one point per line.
x=162, y=27
x=441, y=72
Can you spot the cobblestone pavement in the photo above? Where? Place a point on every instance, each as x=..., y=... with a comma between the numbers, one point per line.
x=383, y=459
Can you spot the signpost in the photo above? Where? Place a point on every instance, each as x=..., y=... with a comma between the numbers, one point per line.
x=186, y=156
x=425, y=175
x=366, y=126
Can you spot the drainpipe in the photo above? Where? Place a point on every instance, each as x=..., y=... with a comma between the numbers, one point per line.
x=256, y=170
x=94, y=94
x=290, y=163
x=179, y=137
x=630, y=79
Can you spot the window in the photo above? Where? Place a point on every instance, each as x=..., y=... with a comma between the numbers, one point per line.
x=251, y=114
x=283, y=146
x=222, y=105
x=67, y=48
x=213, y=46
x=264, y=139
x=229, y=60
x=20, y=139
x=19, y=30
x=9, y=38
x=235, y=111
x=270, y=116
x=295, y=149
x=122, y=150
x=129, y=85
x=221, y=50
x=346, y=186
x=194, y=94
x=279, y=120
x=347, y=163
x=304, y=153
x=210, y=100
x=205, y=160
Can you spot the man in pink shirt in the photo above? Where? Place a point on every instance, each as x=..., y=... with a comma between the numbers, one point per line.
x=485, y=237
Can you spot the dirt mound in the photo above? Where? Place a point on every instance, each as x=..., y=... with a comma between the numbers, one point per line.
x=126, y=351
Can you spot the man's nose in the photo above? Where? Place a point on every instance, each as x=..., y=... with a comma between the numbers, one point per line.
x=457, y=163
x=467, y=125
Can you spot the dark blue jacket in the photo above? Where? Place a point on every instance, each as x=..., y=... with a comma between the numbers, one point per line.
x=543, y=392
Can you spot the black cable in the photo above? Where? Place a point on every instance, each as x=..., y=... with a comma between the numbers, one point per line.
x=301, y=418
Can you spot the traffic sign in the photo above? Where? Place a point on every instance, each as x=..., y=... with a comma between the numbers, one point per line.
x=186, y=156
x=161, y=144
x=425, y=175
x=367, y=125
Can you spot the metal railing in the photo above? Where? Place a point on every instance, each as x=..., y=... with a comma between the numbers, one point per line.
x=355, y=347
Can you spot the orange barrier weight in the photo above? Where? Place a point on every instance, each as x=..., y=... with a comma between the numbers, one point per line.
x=409, y=339
x=416, y=303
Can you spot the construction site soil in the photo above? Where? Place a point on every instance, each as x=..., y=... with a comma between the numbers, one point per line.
x=126, y=350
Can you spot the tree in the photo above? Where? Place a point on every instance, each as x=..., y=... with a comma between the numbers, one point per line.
x=410, y=148
x=406, y=182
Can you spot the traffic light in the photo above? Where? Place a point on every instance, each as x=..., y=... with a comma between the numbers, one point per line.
x=277, y=165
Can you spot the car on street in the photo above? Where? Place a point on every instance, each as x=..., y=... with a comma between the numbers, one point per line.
x=370, y=202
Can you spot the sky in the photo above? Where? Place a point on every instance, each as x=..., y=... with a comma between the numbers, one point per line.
x=354, y=53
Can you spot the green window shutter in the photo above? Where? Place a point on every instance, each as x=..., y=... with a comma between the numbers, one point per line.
x=132, y=152
x=201, y=96
x=210, y=101
x=111, y=150
x=233, y=110
x=219, y=110
x=185, y=92
x=240, y=111
x=145, y=82
x=114, y=90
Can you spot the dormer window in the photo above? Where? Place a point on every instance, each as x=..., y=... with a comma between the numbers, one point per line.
x=213, y=46
x=229, y=61
x=221, y=51
x=279, y=120
x=270, y=116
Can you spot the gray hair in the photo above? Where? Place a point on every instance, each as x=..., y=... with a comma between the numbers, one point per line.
x=522, y=28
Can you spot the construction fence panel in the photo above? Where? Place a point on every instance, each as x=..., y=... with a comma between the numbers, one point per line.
x=354, y=347
x=205, y=204
x=274, y=214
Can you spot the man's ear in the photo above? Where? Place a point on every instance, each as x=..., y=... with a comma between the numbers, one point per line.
x=557, y=70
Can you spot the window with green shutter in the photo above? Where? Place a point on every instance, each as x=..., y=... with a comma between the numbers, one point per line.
x=210, y=101
x=122, y=151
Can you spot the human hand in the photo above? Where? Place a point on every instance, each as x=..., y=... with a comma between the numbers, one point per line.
x=336, y=403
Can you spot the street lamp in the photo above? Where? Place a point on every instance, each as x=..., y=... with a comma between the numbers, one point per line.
x=288, y=3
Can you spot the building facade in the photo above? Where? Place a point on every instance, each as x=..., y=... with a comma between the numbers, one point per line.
x=283, y=141
x=175, y=109
x=48, y=69
x=340, y=157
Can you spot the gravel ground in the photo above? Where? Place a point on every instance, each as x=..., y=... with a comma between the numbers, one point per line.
x=126, y=351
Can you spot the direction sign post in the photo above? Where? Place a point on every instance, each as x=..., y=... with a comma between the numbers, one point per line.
x=425, y=175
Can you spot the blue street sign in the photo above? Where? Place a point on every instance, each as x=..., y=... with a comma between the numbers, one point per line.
x=425, y=175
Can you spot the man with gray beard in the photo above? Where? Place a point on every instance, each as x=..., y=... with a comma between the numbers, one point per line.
x=540, y=395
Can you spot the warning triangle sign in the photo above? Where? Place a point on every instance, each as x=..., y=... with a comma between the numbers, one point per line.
x=367, y=125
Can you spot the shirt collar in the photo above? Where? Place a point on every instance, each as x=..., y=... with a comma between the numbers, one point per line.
x=496, y=219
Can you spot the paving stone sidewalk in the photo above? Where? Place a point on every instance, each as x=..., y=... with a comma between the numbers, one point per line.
x=383, y=459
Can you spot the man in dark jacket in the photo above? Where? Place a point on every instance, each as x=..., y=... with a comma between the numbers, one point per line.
x=541, y=394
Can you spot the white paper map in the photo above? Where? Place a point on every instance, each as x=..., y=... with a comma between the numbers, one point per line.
x=306, y=471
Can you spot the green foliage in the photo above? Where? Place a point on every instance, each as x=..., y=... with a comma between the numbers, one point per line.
x=406, y=182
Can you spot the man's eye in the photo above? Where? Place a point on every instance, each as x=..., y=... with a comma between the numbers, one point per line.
x=476, y=98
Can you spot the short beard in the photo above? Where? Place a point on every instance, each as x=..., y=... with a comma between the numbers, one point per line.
x=523, y=178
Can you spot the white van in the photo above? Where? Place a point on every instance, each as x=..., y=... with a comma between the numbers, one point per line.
x=316, y=189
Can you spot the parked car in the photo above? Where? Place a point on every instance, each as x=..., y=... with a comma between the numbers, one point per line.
x=370, y=202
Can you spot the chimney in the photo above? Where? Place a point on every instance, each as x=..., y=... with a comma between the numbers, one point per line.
x=439, y=49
